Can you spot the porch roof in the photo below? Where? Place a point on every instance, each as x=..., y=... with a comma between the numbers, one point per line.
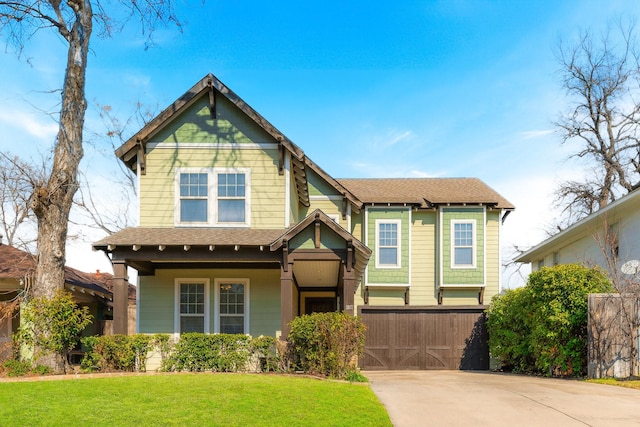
x=144, y=236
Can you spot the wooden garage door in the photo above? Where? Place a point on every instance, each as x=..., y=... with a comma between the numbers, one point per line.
x=425, y=338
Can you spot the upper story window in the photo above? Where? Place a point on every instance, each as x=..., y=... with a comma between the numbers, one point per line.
x=387, y=243
x=463, y=243
x=231, y=197
x=213, y=197
x=194, y=191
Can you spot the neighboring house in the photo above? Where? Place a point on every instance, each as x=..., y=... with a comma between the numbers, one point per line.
x=240, y=232
x=607, y=238
x=94, y=290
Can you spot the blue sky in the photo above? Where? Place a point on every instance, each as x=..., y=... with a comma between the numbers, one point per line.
x=366, y=89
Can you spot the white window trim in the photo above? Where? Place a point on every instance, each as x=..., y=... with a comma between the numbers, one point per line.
x=207, y=308
x=247, y=196
x=398, y=263
x=212, y=197
x=216, y=305
x=178, y=198
x=474, y=243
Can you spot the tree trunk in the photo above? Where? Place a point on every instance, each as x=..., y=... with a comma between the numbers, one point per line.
x=52, y=201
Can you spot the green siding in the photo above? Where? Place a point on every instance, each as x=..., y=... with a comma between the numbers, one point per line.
x=306, y=239
x=388, y=275
x=463, y=276
x=157, y=298
x=196, y=125
x=318, y=186
x=330, y=207
x=423, y=258
x=157, y=187
x=156, y=302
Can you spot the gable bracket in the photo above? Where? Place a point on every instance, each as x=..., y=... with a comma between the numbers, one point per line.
x=280, y=158
x=285, y=255
x=142, y=157
x=345, y=204
x=212, y=99
x=317, y=232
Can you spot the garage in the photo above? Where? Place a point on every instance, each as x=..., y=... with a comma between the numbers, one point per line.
x=425, y=338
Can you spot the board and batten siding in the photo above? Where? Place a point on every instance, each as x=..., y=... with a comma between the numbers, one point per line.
x=157, y=187
x=423, y=258
x=157, y=298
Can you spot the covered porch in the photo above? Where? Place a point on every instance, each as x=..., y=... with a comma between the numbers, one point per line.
x=319, y=262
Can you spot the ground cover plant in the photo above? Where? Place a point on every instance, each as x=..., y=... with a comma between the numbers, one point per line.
x=617, y=382
x=190, y=399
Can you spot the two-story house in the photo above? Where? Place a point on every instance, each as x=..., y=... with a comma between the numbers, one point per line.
x=240, y=232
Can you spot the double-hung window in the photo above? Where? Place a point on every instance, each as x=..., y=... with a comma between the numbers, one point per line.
x=231, y=198
x=192, y=307
x=387, y=243
x=213, y=197
x=463, y=243
x=194, y=192
x=232, y=296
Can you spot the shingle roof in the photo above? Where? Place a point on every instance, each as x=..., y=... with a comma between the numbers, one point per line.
x=190, y=236
x=16, y=264
x=425, y=191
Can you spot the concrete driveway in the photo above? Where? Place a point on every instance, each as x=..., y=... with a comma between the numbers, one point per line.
x=457, y=398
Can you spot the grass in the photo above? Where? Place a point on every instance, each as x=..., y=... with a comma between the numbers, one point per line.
x=190, y=399
x=621, y=383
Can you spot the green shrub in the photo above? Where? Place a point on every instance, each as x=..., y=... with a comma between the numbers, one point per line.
x=116, y=352
x=326, y=343
x=355, y=376
x=264, y=348
x=542, y=328
x=53, y=326
x=204, y=352
x=17, y=368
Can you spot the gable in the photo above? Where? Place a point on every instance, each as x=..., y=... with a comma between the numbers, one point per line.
x=329, y=239
x=318, y=186
x=197, y=125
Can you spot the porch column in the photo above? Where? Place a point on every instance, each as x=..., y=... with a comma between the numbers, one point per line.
x=286, y=300
x=348, y=290
x=120, y=298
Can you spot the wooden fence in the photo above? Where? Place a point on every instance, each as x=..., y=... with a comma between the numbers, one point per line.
x=613, y=331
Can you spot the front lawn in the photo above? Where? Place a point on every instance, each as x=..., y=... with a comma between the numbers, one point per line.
x=190, y=399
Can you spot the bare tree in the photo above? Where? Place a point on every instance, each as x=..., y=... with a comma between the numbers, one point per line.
x=17, y=180
x=110, y=216
x=601, y=76
x=614, y=319
x=73, y=22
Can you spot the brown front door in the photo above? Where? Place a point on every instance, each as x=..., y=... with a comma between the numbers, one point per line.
x=319, y=305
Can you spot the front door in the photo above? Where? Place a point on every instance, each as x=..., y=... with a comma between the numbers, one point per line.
x=319, y=305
